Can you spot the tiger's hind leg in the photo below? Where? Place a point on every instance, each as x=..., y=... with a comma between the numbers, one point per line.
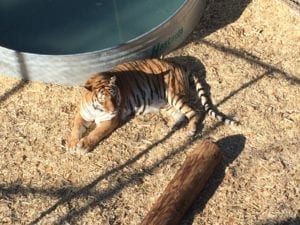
x=182, y=107
x=178, y=117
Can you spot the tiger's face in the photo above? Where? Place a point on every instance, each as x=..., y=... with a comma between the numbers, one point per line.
x=107, y=100
x=106, y=94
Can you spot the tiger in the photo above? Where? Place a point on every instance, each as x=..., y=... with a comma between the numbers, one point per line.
x=135, y=88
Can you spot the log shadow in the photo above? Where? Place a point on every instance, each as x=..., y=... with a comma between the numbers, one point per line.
x=231, y=148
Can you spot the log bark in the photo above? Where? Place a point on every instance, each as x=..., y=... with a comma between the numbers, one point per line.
x=185, y=186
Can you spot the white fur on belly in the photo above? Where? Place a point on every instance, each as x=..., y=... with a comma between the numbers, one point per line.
x=153, y=108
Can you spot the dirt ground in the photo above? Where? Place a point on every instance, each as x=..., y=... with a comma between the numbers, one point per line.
x=249, y=53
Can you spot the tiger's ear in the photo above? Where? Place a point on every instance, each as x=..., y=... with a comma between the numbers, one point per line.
x=113, y=80
x=90, y=83
x=88, y=87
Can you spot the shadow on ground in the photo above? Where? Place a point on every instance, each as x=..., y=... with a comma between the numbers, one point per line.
x=251, y=58
x=231, y=146
x=22, y=83
x=220, y=13
x=288, y=221
x=217, y=15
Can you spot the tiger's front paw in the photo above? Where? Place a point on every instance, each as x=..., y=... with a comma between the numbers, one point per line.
x=72, y=145
x=192, y=129
x=191, y=132
x=76, y=146
x=83, y=147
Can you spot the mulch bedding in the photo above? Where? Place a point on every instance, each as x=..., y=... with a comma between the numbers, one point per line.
x=249, y=55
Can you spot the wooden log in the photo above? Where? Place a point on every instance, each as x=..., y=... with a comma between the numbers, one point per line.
x=185, y=186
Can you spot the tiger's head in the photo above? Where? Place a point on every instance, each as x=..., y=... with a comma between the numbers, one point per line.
x=105, y=92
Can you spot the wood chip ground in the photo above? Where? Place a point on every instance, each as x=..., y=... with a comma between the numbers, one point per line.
x=249, y=52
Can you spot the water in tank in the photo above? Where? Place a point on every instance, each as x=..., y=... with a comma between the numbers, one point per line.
x=76, y=26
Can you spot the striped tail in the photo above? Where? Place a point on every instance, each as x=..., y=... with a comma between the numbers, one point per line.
x=207, y=104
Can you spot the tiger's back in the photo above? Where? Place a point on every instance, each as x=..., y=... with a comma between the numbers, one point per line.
x=148, y=85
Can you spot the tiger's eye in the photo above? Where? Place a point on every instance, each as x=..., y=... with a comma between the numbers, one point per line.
x=101, y=97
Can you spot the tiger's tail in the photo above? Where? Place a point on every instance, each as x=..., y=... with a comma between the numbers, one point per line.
x=207, y=104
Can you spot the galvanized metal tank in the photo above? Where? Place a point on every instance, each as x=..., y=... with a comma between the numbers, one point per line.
x=31, y=46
